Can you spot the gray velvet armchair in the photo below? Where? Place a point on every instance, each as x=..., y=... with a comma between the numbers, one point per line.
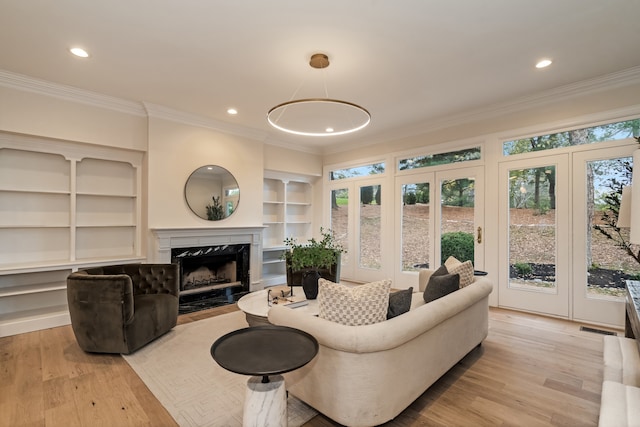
x=118, y=309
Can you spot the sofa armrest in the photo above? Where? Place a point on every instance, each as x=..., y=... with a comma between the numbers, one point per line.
x=384, y=335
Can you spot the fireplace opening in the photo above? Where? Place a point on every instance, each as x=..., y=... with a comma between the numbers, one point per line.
x=212, y=276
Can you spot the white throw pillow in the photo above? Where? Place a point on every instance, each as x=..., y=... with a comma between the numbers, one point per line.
x=353, y=306
x=464, y=269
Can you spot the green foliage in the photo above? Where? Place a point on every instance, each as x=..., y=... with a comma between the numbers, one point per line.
x=458, y=192
x=458, y=244
x=523, y=268
x=314, y=254
x=216, y=210
x=410, y=199
x=366, y=195
x=378, y=197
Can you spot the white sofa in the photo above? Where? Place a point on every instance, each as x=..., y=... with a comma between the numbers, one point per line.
x=367, y=375
x=620, y=401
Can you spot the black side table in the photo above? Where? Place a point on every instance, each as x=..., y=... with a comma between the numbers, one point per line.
x=264, y=352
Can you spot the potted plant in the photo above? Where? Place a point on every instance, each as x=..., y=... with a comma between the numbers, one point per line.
x=307, y=262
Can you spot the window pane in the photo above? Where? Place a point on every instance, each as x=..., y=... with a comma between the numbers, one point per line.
x=457, y=219
x=373, y=169
x=439, y=159
x=609, y=132
x=370, y=226
x=340, y=220
x=608, y=262
x=415, y=226
x=532, y=229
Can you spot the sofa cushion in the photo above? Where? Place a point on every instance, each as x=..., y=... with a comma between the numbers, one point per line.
x=353, y=306
x=439, y=286
x=399, y=302
x=464, y=269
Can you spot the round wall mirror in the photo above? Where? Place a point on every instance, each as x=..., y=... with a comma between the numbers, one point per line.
x=212, y=193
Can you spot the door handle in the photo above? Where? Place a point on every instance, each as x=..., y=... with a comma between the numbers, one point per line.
x=479, y=234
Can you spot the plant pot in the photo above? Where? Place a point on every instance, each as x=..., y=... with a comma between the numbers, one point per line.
x=310, y=283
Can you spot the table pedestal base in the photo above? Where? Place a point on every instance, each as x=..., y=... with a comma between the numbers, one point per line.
x=265, y=404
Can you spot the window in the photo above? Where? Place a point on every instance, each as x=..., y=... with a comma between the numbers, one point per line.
x=440, y=159
x=372, y=169
x=590, y=135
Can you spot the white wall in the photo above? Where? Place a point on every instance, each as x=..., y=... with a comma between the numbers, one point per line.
x=176, y=150
x=38, y=114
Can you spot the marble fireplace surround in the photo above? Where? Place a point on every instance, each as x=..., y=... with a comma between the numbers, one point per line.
x=166, y=239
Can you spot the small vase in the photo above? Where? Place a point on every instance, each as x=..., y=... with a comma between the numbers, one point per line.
x=310, y=284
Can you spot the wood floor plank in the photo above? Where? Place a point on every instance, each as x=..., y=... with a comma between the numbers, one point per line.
x=530, y=371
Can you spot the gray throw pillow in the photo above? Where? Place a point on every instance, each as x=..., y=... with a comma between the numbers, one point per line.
x=399, y=302
x=439, y=286
x=441, y=271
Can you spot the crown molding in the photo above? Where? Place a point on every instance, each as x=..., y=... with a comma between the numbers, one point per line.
x=178, y=116
x=69, y=93
x=610, y=81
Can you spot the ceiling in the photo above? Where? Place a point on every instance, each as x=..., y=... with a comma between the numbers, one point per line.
x=408, y=62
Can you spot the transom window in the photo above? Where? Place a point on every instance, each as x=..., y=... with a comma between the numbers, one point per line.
x=371, y=169
x=590, y=135
x=440, y=159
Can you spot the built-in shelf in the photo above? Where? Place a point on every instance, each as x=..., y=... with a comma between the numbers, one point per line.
x=286, y=214
x=66, y=206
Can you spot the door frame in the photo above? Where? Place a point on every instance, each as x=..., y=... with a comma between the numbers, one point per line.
x=558, y=302
x=603, y=311
x=405, y=279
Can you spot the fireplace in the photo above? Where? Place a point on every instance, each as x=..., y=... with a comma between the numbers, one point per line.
x=217, y=265
x=213, y=268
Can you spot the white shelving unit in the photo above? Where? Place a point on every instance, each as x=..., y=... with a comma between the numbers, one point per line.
x=63, y=206
x=286, y=213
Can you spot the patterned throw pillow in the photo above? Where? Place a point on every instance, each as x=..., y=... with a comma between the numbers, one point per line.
x=353, y=306
x=464, y=269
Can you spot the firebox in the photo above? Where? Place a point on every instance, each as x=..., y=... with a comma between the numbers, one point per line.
x=211, y=275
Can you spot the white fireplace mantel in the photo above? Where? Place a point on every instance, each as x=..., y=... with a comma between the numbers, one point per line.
x=169, y=238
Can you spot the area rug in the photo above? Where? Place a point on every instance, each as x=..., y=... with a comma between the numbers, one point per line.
x=195, y=390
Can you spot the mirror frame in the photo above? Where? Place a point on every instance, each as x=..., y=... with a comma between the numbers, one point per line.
x=201, y=195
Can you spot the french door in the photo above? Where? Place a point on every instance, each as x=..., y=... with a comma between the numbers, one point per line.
x=553, y=258
x=438, y=212
x=534, y=235
x=358, y=221
x=598, y=295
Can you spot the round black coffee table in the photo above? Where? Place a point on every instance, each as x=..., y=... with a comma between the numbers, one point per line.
x=263, y=351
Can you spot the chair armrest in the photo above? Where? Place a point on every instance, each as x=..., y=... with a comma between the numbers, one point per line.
x=92, y=296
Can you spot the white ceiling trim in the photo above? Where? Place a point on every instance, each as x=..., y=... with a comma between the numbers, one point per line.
x=178, y=116
x=70, y=93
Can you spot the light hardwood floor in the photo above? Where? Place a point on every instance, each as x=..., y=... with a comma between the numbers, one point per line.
x=530, y=371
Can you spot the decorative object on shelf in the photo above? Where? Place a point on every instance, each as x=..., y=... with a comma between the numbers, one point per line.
x=318, y=116
x=321, y=258
x=204, y=182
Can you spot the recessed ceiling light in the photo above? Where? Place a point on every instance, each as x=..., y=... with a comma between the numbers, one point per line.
x=232, y=111
x=78, y=51
x=329, y=130
x=544, y=63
